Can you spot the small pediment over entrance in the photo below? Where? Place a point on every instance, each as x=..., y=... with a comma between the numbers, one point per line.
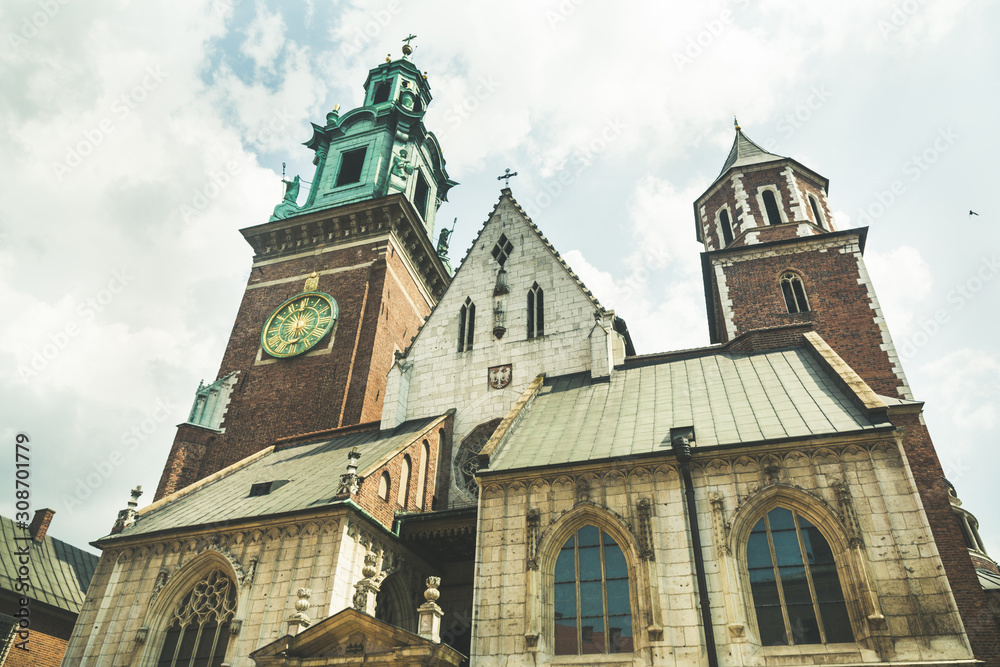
x=350, y=637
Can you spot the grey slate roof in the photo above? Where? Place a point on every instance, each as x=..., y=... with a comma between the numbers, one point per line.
x=313, y=472
x=745, y=152
x=729, y=398
x=59, y=572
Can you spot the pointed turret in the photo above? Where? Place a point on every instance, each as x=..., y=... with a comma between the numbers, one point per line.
x=745, y=152
x=759, y=196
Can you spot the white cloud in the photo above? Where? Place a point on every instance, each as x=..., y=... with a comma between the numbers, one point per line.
x=265, y=37
x=903, y=282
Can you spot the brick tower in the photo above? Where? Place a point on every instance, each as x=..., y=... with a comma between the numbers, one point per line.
x=338, y=284
x=774, y=259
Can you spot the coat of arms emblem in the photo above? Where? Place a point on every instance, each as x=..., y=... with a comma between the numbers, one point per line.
x=499, y=376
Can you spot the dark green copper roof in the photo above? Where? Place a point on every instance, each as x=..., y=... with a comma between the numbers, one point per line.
x=59, y=573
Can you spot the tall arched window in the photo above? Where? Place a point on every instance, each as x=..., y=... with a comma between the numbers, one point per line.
x=771, y=207
x=384, y=484
x=423, y=465
x=593, y=612
x=727, y=228
x=199, y=629
x=815, y=210
x=404, y=481
x=793, y=579
x=794, y=293
x=466, y=325
x=536, y=312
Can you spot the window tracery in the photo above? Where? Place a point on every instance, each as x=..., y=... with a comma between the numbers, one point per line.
x=199, y=628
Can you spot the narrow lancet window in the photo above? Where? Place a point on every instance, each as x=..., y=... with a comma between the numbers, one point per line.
x=466, y=325
x=727, y=229
x=536, y=312
x=771, y=208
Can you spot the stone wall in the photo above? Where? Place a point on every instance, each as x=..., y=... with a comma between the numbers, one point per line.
x=435, y=376
x=860, y=493
x=269, y=564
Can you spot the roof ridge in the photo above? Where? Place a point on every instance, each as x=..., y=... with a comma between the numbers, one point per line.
x=506, y=193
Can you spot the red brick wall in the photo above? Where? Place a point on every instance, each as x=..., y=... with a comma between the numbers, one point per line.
x=184, y=460
x=49, y=633
x=385, y=510
x=840, y=308
x=980, y=624
x=751, y=181
x=309, y=392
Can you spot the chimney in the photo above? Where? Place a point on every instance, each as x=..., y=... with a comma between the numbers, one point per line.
x=40, y=524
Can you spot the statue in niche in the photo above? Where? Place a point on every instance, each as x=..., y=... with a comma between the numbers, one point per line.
x=400, y=167
x=291, y=189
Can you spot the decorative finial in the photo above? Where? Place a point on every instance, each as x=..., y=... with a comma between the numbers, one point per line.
x=736, y=123
x=507, y=175
x=425, y=75
x=407, y=49
x=336, y=107
x=388, y=57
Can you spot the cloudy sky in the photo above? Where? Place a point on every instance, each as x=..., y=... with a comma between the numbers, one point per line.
x=138, y=137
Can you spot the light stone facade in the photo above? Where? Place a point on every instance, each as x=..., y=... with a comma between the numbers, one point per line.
x=433, y=377
x=859, y=491
x=137, y=587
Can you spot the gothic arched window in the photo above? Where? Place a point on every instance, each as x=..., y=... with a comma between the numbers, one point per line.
x=796, y=591
x=199, y=629
x=727, y=228
x=466, y=325
x=771, y=207
x=422, y=470
x=384, y=484
x=593, y=611
x=404, y=482
x=536, y=312
x=794, y=293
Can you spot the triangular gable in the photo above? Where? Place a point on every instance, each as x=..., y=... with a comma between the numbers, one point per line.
x=352, y=637
x=481, y=384
x=507, y=199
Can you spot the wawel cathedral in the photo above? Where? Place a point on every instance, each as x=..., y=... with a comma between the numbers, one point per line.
x=402, y=464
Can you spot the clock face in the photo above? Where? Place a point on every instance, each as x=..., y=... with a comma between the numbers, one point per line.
x=298, y=324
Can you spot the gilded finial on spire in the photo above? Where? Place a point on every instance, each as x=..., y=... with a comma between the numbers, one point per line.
x=736, y=123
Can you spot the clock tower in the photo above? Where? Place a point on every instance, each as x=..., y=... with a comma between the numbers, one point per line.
x=339, y=283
